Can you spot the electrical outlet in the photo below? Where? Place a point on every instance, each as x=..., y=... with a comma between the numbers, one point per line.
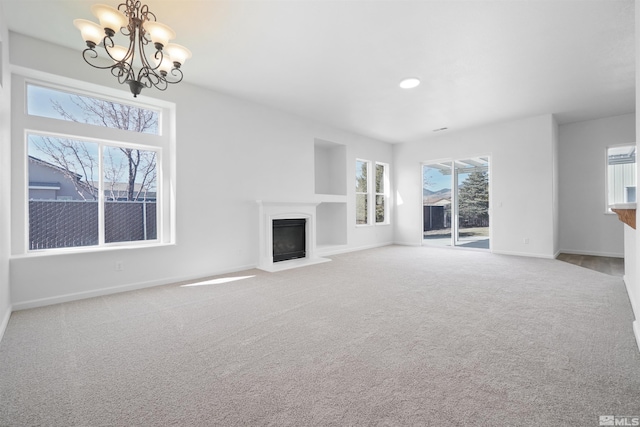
x=119, y=266
x=525, y=241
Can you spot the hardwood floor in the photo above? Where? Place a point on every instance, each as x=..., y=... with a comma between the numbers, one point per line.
x=608, y=265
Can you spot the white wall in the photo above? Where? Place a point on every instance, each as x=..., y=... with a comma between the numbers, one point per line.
x=5, y=175
x=585, y=228
x=229, y=154
x=633, y=285
x=521, y=182
x=556, y=188
x=631, y=275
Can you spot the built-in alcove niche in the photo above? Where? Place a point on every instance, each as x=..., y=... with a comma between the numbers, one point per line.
x=330, y=161
x=331, y=227
x=330, y=168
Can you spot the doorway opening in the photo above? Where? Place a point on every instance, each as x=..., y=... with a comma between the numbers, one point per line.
x=455, y=203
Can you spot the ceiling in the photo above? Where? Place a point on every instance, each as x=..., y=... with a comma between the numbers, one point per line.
x=340, y=61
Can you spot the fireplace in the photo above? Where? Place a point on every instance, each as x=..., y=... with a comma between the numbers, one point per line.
x=289, y=239
x=280, y=219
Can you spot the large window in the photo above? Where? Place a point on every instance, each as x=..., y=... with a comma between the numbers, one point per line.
x=381, y=193
x=92, y=187
x=621, y=174
x=362, y=192
x=371, y=192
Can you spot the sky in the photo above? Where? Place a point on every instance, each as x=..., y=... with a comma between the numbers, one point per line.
x=40, y=101
x=434, y=180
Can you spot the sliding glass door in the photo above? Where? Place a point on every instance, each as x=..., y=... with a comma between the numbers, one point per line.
x=455, y=196
x=436, y=203
x=472, y=202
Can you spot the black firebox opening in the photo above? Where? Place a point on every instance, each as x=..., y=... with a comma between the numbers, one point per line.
x=289, y=239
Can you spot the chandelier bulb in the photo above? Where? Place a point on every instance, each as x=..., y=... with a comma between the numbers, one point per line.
x=111, y=19
x=159, y=33
x=91, y=32
x=178, y=53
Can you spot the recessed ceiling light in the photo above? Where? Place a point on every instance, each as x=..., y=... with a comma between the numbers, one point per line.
x=409, y=83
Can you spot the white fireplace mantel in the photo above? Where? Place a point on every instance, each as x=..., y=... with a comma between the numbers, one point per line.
x=270, y=210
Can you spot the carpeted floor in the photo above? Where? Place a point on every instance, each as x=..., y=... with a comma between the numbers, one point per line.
x=389, y=336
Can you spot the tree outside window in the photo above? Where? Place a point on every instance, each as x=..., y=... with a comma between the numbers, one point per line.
x=473, y=201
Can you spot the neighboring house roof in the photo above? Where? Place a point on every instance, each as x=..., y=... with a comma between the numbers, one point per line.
x=58, y=168
x=38, y=185
x=92, y=186
x=72, y=176
x=439, y=202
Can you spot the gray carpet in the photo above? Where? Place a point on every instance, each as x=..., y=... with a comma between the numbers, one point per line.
x=389, y=336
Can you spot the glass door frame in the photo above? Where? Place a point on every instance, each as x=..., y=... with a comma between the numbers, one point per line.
x=455, y=223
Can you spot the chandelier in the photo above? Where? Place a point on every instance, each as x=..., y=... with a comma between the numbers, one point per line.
x=131, y=65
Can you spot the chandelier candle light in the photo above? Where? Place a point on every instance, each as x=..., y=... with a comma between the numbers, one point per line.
x=135, y=21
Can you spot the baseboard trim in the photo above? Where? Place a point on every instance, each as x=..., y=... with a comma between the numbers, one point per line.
x=634, y=310
x=636, y=332
x=294, y=263
x=5, y=322
x=344, y=250
x=118, y=289
x=407, y=243
x=526, y=254
x=41, y=302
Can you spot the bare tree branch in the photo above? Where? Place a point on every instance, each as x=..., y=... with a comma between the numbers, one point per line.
x=119, y=116
x=72, y=157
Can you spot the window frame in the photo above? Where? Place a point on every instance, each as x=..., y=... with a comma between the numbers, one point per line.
x=607, y=206
x=101, y=144
x=98, y=96
x=367, y=193
x=372, y=193
x=384, y=194
x=24, y=124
